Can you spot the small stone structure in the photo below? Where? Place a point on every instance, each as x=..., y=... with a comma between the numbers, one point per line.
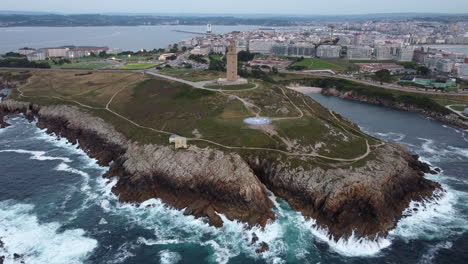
x=180, y=142
x=231, y=68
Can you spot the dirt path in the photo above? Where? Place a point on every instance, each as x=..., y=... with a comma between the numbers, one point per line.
x=313, y=155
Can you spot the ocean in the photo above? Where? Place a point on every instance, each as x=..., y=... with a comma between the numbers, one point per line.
x=56, y=208
x=127, y=38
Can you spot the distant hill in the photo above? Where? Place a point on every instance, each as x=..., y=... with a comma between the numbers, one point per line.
x=22, y=18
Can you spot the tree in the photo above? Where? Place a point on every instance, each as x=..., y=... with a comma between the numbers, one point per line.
x=198, y=58
x=14, y=54
x=173, y=57
x=217, y=65
x=383, y=76
x=245, y=56
x=423, y=70
x=175, y=48
x=184, y=49
x=274, y=70
x=103, y=54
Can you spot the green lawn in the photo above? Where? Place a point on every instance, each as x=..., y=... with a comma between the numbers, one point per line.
x=231, y=87
x=192, y=75
x=321, y=64
x=84, y=65
x=138, y=66
x=459, y=107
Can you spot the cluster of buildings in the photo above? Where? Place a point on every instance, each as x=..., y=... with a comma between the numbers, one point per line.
x=443, y=61
x=320, y=42
x=68, y=52
x=382, y=41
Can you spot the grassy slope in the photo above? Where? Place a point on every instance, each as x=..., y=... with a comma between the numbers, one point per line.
x=138, y=66
x=193, y=75
x=321, y=64
x=180, y=109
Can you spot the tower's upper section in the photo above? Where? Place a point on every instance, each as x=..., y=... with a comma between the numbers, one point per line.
x=232, y=46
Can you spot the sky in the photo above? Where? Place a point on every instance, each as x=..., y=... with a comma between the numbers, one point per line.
x=312, y=7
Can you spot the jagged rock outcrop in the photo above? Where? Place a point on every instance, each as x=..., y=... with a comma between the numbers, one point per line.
x=368, y=200
x=451, y=119
x=201, y=181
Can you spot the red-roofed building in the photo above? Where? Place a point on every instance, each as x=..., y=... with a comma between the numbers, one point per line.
x=374, y=67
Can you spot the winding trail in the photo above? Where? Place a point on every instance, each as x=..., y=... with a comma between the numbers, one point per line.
x=460, y=113
x=108, y=108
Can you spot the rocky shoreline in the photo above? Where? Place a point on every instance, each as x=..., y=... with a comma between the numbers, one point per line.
x=205, y=182
x=451, y=119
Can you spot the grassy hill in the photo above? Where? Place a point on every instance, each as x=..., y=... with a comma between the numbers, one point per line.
x=147, y=110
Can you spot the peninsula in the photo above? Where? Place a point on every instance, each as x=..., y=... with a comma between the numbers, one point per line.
x=316, y=160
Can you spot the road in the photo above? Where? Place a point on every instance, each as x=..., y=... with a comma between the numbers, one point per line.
x=385, y=86
x=297, y=154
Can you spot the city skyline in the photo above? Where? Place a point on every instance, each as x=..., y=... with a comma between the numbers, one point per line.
x=299, y=7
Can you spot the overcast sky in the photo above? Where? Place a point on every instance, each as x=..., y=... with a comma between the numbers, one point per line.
x=319, y=7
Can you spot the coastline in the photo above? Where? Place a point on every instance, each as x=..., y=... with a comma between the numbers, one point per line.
x=451, y=119
x=245, y=200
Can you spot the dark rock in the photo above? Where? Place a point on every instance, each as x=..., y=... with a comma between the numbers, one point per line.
x=254, y=238
x=17, y=256
x=2, y=259
x=215, y=182
x=3, y=124
x=263, y=247
x=368, y=200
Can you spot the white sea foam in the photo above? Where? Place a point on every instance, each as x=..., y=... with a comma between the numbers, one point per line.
x=36, y=155
x=170, y=226
x=352, y=246
x=64, y=167
x=397, y=137
x=40, y=243
x=428, y=257
x=124, y=252
x=168, y=257
x=433, y=219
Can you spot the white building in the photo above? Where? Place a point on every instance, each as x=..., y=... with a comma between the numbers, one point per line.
x=328, y=51
x=444, y=65
x=201, y=50
x=384, y=52
x=37, y=55
x=56, y=52
x=405, y=53
x=359, y=53
x=26, y=51
x=463, y=71
x=262, y=46
x=114, y=51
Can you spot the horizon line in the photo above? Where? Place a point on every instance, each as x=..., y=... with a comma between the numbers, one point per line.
x=31, y=12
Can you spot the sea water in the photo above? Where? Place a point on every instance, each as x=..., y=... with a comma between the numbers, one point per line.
x=55, y=207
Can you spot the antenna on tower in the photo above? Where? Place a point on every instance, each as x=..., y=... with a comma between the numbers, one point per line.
x=332, y=29
x=208, y=29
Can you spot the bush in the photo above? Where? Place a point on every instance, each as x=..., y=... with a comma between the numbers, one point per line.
x=189, y=93
x=245, y=56
x=198, y=58
x=23, y=63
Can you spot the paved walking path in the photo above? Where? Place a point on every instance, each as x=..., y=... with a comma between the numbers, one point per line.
x=108, y=108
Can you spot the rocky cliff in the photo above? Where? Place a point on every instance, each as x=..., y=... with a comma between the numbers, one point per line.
x=204, y=182
x=451, y=119
x=367, y=199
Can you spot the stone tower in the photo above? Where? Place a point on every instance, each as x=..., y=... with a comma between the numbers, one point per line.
x=232, y=62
